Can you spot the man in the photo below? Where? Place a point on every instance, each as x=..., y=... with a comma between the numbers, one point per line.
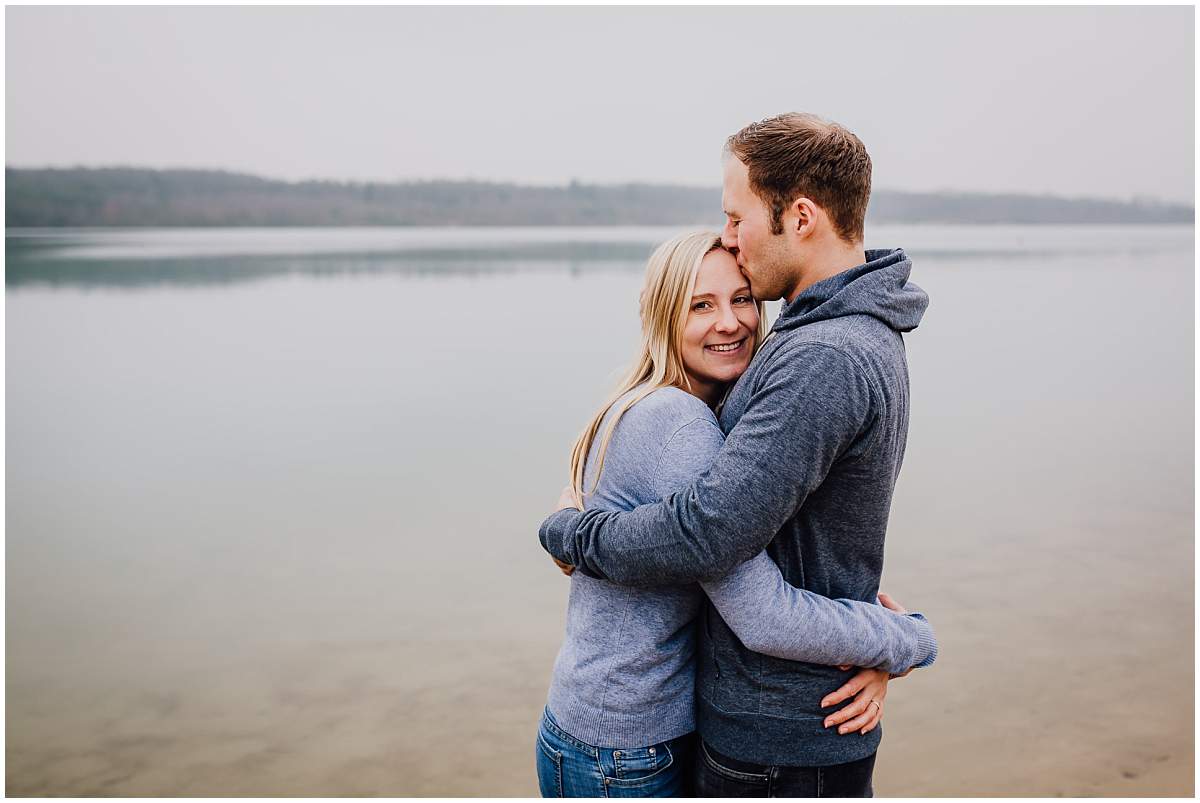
x=816, y=429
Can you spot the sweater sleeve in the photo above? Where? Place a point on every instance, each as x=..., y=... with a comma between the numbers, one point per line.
x=774, y=618
x=810, y=405
x=687, y=453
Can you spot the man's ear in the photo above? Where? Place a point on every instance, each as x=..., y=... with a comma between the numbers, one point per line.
x=805, y=212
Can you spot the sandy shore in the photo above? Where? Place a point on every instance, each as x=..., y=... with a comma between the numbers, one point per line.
x=346, y=726
x=999, y=715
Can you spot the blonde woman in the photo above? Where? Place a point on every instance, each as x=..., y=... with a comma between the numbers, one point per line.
x=619, y=718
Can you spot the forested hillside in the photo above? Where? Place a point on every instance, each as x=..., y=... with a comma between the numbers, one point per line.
x=139, y=197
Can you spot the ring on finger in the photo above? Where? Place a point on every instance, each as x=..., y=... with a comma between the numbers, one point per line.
x=876, y=704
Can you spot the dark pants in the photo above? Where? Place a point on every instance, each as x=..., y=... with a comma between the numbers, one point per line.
x=720, y=776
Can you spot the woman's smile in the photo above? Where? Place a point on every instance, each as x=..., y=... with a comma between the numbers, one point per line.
x=727, y=349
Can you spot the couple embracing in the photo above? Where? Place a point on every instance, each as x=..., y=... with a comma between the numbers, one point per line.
x=724, y=525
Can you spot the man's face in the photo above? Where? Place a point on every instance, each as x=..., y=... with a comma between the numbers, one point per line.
x=763, y=257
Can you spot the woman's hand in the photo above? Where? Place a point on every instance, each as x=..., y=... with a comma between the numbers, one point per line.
x=868, y=688
x=890, y=603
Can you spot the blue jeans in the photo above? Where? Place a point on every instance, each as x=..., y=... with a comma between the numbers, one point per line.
x=567, y=767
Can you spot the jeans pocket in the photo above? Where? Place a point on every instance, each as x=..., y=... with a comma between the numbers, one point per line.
x=640, y=765
x=716, y=767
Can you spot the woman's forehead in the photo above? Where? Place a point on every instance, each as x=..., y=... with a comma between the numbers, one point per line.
x=719, y=273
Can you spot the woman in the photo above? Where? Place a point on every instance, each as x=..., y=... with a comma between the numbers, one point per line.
x=619, y=718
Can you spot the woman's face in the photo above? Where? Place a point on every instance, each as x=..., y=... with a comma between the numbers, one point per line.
x=718, y=335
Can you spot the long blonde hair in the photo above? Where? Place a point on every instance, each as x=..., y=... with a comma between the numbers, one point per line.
x=665, y=302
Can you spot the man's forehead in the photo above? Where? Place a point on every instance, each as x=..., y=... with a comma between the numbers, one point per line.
x=734, y=168
x=728, y=196
x=731, y=198
x=734, y=182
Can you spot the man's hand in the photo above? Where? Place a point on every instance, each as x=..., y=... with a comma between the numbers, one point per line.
x=868, y=688
x=566, y=499
x=565, y=568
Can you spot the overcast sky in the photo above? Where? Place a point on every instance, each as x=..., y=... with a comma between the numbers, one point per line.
x=1071, y=101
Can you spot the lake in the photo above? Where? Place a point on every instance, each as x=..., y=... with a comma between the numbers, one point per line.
x=273, y=499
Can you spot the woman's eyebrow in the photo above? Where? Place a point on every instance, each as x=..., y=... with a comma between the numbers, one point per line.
x=745, y=288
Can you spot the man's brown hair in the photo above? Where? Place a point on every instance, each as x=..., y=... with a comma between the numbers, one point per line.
x=794, y=155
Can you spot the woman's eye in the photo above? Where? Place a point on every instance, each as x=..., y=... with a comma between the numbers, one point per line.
x=743, y=300
x=699, y=305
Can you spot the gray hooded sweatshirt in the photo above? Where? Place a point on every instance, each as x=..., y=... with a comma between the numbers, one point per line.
x=815, y=434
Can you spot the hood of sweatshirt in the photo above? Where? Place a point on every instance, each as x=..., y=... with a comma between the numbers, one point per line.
x=879, y=288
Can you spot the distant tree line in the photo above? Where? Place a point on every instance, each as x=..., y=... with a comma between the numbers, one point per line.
x=140, y=197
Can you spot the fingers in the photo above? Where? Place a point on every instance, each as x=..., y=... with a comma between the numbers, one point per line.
x=875, y=722
x=863, y=714
x=890, y=603
x=864, y=723
x=852, y=687
x=849, y=713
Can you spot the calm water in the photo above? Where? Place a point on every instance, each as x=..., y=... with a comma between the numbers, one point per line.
x=272, y=500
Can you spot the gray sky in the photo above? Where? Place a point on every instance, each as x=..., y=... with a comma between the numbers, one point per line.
x=1072, y=101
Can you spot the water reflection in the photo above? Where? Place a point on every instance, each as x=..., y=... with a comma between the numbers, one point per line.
x=31, y=265
x=131, y=259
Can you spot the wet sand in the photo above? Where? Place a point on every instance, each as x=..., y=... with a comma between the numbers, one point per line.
x=995, y=716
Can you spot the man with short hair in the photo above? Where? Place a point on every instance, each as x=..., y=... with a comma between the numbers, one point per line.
x=816, y=430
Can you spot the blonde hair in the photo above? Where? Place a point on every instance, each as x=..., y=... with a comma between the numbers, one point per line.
x=665, y=302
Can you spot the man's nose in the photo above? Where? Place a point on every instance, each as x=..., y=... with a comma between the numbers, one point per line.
x=729, y=237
